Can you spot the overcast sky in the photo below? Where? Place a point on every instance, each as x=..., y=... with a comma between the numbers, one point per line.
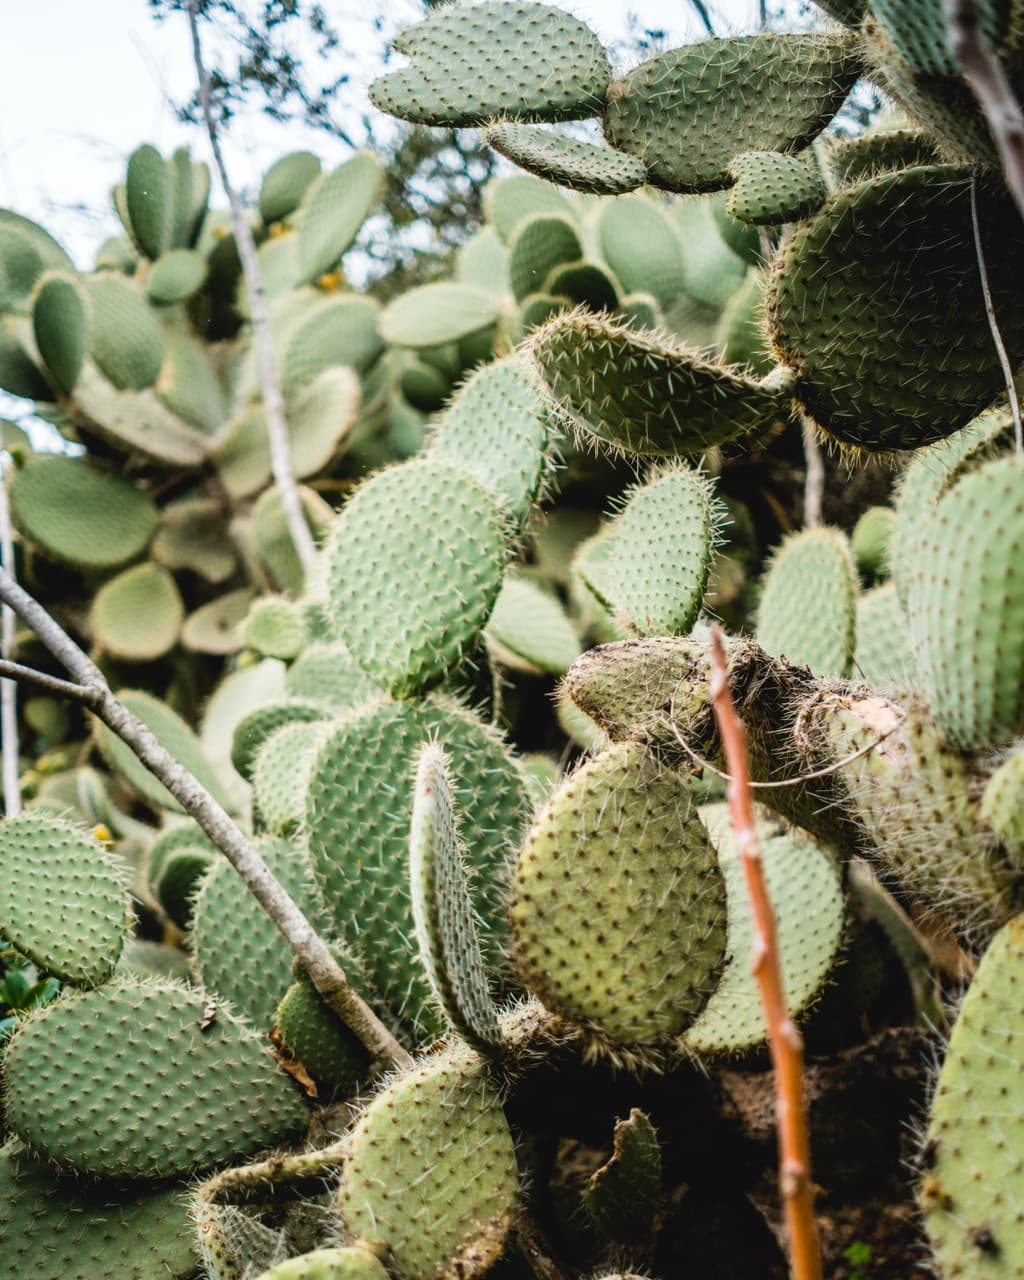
x=83, y=82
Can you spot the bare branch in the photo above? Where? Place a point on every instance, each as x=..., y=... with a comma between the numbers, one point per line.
x=8, y=689
x=53, y=685
x=784, y=1037
x=325, y=972
x=993, y=324
x=273, y=401
x=989, y=83
x=814, y=480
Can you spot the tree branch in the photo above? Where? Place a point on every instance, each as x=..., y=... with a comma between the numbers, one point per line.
x=325, y=972
x=993, y=323
x=53, y=685
x=273, y=401
x=814, y=480
x=9, y=764
x=987, y=79
x=784, y=1037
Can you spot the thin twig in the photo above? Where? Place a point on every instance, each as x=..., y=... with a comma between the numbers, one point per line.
x=814, y=480
x=987, y=79
x=85, y=694
x=536, y=1252
x=784, y=1037
x=8, y=689
x=325, y=972
x=273, y=401
x=993, y=324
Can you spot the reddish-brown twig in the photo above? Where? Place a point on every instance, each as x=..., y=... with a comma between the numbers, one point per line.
x=784, y=1038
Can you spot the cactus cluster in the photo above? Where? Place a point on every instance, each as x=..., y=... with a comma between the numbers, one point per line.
x=475, y=743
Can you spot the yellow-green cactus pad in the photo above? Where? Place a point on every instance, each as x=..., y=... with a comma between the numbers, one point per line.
x=137, y=616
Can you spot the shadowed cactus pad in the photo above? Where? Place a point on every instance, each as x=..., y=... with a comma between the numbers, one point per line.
x=143, y=1056
x=972, y=1187
x=472, y=63
x=688, y=111
x=329, y=1264
x=59, y=325
x=317, y=1038
x=619, y=907
x=542, y=243
x=529, y=630
x=567, y=161
x=63, y=900
x=437, y=1136
x=640, y=394
x=420, y=525
x=808, y=609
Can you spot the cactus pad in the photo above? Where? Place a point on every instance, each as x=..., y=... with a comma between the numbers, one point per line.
x=437, y=313
x=137, y=616
x=147, y=200
x=542, y=243
x=175, y=276
x=59, y=325
x=529, y=631
x=619, y=907
x=280, y=773
x=568, y=162
x=143, y=1056
x=1001, y=806
x=642, y=247
x=285, y=183
x=257, y=725
x=883, y=656
x=125, y=338
x=316, y=1037
x=333, y=210
x=63, y=900
x=328, y=1264
x=771, y=188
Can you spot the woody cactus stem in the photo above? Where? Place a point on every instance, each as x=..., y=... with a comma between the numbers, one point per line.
x=327, y=975
x=270, y=385
x=784, y=1039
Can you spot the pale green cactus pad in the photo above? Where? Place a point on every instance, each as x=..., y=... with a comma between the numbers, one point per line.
x=144, y=1055
x=642, y=247
x=147, y=200
x=971, y=1181
x=619, y=907
x=566, y=161
x=329, y=1264
x=281, y=771
x=387, y=543
x=125, y=337
x=507, y=201
x=63, y=898
x=438, y=313
x=1002, y=803
x=542, y=243
x=458, y=1153
x=137, y=616
x=332, y=211
x=882, y=656
x=529, y=630
x=471, y=64
x=285, y=183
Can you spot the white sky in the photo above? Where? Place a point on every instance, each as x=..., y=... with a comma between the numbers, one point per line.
x=84, y=82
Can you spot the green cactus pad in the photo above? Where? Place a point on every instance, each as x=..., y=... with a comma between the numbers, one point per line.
x=586, y=283
x=147, y=200
x=329, y=1264
x=641, y=311
x=326, y=674
x=315, y=1036
x=966, y=607
x=358, y=813
x=273, y=541
x=740, y=334
x=469, y=65
x=19, y=373
x=458, y=1153
x=217, y=627
x=852, y=159
x=285, y=183
x=642, y=247
x=714, y=268
x=280, y=773
x=566, y=161
x=254, y=728
x=919, y=29
x=436, y=313
x=137, y=616
x=884, y=260
x=59, y=325
x=239, y=954
x=144, y=1057
x=388, y=541
x=335, y=331
x=529, y=630
x=1001, y=807
x=619, y=907
x=482, y=262
x=497, y=429
x=125, y=337
x=805, y=888
x=661, y=552
x=507, y=201
x=780, y=92
x=172, y=733
x=332, y=211
x=883, y=656
x=180, y=833
x=542, y=242
x=870, y=541
x=69, y=1228
x=808, y=609
x=78, y=514
x=971, y=1184
x=624, y=1198
x=446, y=934
x=141, y=959
x=63, y=900
x=639, y=394
x=276, y=628
x=179, y=879
x=771, y=188
x=175, y=276
x=138, y=421
x=53, y=256
x=20, y=267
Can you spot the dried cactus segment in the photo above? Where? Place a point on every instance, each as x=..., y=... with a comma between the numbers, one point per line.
x=886, y=271
x=60, y=324
x=63, y=899
x=387, y=544
x=529, y=631
x=151, y=1058
x=56, y=1228
x=689, y=111
x=771, y=188
x=972, y=1183
x=805, y=887
x=125, y=337
x=436, y=1135
x=619, y=907
x=638, y=394
x=528, y=61
x=662, y=548
x=79, y=514
x=446, y=933
x=565, y=161
x=965, y=607
x=329, y=1264
x=808, y=609
x=137, y=616
x=542, y=243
